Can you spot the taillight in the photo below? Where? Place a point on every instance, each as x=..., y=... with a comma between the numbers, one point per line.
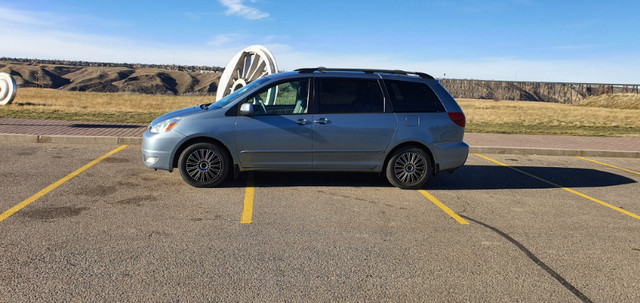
x=458, y=118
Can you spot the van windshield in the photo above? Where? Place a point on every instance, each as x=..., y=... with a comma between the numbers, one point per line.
x=232, y=97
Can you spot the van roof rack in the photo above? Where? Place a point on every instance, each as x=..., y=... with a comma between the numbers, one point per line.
x=364, y=70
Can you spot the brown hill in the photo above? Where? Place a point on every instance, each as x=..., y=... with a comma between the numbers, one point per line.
x=112, y=79
x=533, y=91
x=203, y=80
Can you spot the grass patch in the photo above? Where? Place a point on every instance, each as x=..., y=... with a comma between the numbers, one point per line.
x=619, y=101
x=38, y=103
x=600, y=117
x=521, y=117
x=514, y=128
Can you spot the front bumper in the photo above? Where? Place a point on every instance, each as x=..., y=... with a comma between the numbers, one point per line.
x=158, y=150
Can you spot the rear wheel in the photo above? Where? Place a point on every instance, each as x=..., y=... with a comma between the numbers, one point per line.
x=408, y=168
x=203, y=165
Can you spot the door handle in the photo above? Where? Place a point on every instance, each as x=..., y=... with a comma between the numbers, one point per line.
x=321, y=121
x=302, y=122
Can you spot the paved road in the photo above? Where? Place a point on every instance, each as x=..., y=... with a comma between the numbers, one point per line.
x=79, y=132
x=121, y=232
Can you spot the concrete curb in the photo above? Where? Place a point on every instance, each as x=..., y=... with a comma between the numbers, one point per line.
x=102, y=140
x=94, y=140
x=552, y=152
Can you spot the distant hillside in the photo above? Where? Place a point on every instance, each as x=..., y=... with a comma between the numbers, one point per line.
x=104, y=77
x=533, y=91
x=203, y=80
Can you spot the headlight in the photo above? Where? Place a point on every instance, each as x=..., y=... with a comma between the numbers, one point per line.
x=164, y=126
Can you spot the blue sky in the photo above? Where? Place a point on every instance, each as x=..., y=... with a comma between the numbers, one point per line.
x=525, y=40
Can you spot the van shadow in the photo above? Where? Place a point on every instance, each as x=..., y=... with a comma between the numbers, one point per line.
x=309, y=179
x=470, y=177
x=479, y=177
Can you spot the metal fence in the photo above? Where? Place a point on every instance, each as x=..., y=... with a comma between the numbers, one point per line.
x=533, y=91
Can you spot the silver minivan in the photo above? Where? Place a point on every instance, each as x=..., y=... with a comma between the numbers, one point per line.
x=402, y=124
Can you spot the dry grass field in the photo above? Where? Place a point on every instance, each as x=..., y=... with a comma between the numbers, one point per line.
x=42, y=103
x=606, y=115
x=619, y=101
x=609, y=115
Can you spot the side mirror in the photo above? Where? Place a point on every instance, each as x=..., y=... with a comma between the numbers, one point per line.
x=246, y=109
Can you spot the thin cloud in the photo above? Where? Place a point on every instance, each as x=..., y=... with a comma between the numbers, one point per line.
x=228, y=40
x=237, y=8
x=12, y=17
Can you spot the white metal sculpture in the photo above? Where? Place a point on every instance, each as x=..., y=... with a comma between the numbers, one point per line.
x=248, y=65
x=7, y=89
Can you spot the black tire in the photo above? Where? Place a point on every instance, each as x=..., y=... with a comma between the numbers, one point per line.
x=408, y=168
x=204, y=165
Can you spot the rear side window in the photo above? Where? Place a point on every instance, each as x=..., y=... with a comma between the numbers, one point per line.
x=412, y=97
x=349, y=96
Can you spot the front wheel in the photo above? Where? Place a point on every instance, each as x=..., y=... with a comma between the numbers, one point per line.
x=408, y=168
x=203, y=165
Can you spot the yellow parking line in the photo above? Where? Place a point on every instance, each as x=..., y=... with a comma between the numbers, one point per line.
x=443, y=207
x=247, y=212
x=605, y=164
x=53, y=186
x=562, y=187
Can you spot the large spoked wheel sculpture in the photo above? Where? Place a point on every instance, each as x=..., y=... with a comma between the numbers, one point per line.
x=248, y=65
x=7, y=89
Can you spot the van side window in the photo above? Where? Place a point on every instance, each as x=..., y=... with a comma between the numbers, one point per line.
x=349, y=96
x=412, y=97
x=285, y=98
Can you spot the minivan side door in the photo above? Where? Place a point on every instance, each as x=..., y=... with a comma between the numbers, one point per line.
x=278, y=134
x=351, y=130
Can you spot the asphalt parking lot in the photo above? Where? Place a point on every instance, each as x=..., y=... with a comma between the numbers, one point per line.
x=503, y=228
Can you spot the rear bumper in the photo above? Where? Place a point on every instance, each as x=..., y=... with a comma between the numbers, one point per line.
x=450, y=156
